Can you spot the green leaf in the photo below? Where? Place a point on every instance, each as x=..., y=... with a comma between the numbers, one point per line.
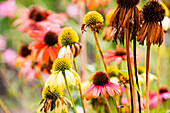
x=122, y=72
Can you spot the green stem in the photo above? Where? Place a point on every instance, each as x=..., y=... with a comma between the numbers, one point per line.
x=115, y=104
x=127, y=93
x=75, y=66
x=108, y=105
x=96, y=59
x=69, y=92
x=158, y=74
x=100, y=51
x=3, y=107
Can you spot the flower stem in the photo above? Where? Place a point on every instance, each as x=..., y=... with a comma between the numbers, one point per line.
x=158, y=74
x=101, y=54
x=96, y=59
x=3, y=107
x=147, y=77
x=136, y=73
x=75, y=66
x=69, y=92
x=115, y=104
x=127, y=93
x=132, y=89
x=108, y=105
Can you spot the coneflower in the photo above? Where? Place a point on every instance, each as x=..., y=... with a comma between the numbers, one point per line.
x=152, y=15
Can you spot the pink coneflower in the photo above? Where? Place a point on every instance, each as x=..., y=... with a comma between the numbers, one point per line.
x=46, y=46
x=73, y=10
x=101, y=85
x=117, y=55
x=164, y=94
x=3, y=43
x=30, y=18
x=24, y=54
x=30, y=70
x=8, y=8
x=9, y=56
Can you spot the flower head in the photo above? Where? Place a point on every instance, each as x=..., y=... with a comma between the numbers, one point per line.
x=71, y=47
x=52, y=97
x=46, y=44
x=126, y=16
x=8, y=8
x=152, y=14
x=93, y=20
x=62, y=67
x=73, y=10
x=9, y=56
x=117, y=55
x=29, y=19
x=101, y=85
x=68, y=37
x=24, y=54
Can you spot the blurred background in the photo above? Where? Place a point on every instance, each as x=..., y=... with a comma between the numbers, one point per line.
x=21, y=96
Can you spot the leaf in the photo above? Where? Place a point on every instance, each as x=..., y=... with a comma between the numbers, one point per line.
x=122, y=72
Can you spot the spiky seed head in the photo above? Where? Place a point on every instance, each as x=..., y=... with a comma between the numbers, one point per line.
x=61, y=64
x=92, y=18
x=153, y=12
x=100, y=78
x=127, y=3
x=53, y=93
x=68, y=37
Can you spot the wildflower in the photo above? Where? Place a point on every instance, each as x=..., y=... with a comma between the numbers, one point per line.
x=30, y=18
x=126, y=15
x=142, y=75
x=91, y=4
x=8, y=8
x=93, y=20
x=30, y=70
x=118, y=55
x=9, y=56
x=68, y=39
x=62, y=67
x=46, y=44
x=53, y=99
x=73, y=10
x=101, y=85
x=24, y=54
x=152, y=14
x=3, y=43
x=164, y=94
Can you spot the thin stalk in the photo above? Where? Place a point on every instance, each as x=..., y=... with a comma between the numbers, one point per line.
x=127, y=93
x=69, y=92
x=115, y=104
x=147, y=77
x=3, y=107
x=136, y=73
x=96, y=59
x=132, y=89
x=108, y=105
x=100, y=51
x=158, y=74
x=75, y=66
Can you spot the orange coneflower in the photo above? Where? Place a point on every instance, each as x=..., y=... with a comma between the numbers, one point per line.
x=91, y=4
x=24, y=54
x=46, y=46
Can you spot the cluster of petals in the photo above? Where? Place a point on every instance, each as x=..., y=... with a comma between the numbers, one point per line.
x=8, y=8
x=109, y=89
x=111, y=55
x=91, y=4
x=26, y=23
x=44, y=51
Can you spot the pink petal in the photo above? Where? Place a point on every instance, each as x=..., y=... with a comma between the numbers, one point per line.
x=118, y=60
x=88, y=93
x=103, y=92
x=109, y=90
x=35, y=34
x=45, y=55
x=115, y=87
x=96, y=91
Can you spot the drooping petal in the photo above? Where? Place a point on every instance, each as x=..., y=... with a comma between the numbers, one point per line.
x=45, y=55
x=60, y=80
x=115, y=87
x=76, y=76
x=70, y=77
x=96, y=91
x=88, y=93
x=103, y=92
x=53, y=56
x=109, y=90
x=62, y=52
